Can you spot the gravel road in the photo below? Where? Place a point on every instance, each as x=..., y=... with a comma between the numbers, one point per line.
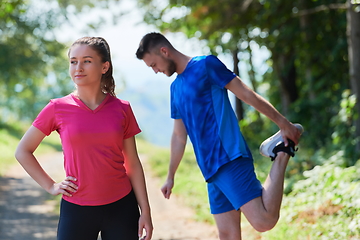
x=27, y=212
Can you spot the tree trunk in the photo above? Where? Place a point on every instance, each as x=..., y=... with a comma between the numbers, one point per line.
x=286, y=70
x=239, y=110
x=304, y=25
x=353, y=34
x=252, y=77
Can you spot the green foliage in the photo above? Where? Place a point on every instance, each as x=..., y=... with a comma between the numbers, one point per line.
x=27, y=53
x=9, y=138
x=317, y=53
x=307, y=80
x=307, y=70
x=158, y=156
x=325, y=205
x=33, y=64
x=343, y=137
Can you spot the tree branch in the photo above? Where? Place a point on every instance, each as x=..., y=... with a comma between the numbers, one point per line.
x=321, y=8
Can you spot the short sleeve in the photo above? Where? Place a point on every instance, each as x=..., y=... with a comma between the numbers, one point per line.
x=46, y=120
x=218, y=73
x=131, y=128
x=174, y=114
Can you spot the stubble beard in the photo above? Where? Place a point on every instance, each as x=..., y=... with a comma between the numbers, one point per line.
x=171, y=69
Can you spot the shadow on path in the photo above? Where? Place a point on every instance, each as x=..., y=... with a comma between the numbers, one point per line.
x=25, y=211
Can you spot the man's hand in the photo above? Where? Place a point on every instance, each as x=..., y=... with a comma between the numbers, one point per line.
x=290, y=132
x=167, y=187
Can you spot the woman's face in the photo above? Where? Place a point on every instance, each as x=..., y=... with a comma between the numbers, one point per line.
x=86, y=67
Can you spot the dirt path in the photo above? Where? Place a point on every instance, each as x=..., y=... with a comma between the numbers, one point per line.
x=27, y=211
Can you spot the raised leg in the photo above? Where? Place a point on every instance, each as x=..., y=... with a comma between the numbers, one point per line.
x=263, y=212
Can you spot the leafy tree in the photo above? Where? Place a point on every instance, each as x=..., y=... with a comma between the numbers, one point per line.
x=353, y=18
x=33, y=64
x=24, y=54
x=309, y=64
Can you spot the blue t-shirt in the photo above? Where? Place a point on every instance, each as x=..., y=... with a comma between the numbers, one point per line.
x=200, y=99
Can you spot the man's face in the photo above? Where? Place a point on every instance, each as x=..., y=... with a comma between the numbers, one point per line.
x=160, y=63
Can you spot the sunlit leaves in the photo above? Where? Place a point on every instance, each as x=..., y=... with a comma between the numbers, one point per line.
x=328, y=194
x=29, y=52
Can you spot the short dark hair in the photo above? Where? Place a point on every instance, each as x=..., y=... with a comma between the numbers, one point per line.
x=152, y=42
x=100, y=45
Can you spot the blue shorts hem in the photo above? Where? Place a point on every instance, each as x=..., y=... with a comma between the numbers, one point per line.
x=237, y=208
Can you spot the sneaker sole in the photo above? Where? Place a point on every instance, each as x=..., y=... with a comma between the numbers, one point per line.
x=274, y=140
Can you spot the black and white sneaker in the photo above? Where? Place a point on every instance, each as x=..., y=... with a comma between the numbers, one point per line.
x=274, y=144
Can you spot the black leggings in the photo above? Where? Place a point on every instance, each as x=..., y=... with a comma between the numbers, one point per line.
x=115, y=221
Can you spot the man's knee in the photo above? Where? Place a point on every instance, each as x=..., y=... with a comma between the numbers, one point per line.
x=265, y=224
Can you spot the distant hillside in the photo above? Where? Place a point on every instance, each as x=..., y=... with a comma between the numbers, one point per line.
x=151, y=106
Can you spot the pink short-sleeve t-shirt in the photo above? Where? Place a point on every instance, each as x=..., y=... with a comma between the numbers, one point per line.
x=92, y=143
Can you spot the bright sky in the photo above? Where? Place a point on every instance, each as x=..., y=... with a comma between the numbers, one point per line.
x=124, y=38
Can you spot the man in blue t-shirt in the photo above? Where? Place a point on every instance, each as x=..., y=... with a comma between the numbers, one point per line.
x=201, y=109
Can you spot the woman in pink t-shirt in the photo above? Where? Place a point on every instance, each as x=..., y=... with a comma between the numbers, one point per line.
x=105, y=184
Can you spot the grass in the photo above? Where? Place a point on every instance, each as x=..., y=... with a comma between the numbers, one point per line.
x=9, y=139
x=10, y=136
x=189, y=183
x=322, y=203
x=325, y=205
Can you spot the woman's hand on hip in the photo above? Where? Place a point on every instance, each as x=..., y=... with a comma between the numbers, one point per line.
x=67, y=187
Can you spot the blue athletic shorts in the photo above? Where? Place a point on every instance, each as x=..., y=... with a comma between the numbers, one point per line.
x=233, y=185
